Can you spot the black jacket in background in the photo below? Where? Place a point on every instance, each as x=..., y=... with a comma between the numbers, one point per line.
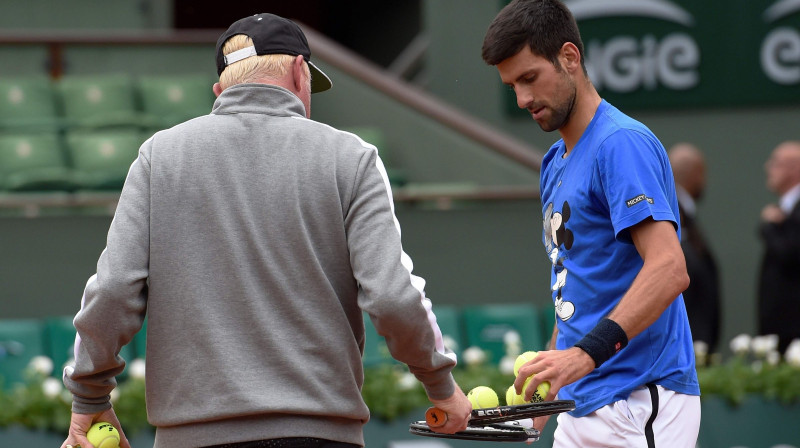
x=779, y=284
x=702, y=297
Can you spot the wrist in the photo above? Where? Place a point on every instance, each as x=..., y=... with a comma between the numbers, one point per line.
x=604, y=341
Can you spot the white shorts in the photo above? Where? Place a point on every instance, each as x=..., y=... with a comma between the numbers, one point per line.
x=628, y=423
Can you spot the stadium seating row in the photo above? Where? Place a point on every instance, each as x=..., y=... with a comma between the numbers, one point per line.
x=77, y=160
x=483, y=326
x=38, y=103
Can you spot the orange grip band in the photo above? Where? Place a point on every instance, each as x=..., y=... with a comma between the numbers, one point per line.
x=435, y=417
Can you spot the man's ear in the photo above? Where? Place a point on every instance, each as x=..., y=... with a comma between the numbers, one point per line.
x=298, y=73
x=570, y=57
x=216, y=88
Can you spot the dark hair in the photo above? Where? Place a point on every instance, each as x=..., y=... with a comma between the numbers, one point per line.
x=544, y=25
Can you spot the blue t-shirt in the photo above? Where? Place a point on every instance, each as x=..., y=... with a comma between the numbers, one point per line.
x=616, y=176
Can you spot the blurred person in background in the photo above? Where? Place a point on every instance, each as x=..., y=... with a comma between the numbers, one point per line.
x=779, y=282
x=702, y=297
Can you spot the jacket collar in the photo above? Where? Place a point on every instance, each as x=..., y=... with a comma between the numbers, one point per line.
x=258, y=99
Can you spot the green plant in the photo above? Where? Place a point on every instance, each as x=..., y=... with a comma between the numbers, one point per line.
x=755, y=368
x=391, y=392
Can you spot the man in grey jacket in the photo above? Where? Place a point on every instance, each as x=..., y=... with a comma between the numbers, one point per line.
x=252, y=239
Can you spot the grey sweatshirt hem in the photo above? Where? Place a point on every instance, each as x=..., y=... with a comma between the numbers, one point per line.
x=260, y=427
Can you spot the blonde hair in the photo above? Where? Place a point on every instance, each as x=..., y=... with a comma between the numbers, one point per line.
x=253, y=68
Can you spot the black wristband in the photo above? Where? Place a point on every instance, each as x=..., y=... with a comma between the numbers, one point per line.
x=604, y=341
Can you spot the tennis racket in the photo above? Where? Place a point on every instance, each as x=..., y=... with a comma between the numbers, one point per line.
x=497, y=432
x=436, y=417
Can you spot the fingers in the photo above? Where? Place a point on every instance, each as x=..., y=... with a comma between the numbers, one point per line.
x=540, y=422
x=111, y=417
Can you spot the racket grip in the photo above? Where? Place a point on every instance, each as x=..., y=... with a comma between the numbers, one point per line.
x=435, y=417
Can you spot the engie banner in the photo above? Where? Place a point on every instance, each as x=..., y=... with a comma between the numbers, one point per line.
x=684, y=53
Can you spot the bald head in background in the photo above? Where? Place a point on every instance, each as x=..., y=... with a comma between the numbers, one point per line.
x=688, y=168
x=783, y=167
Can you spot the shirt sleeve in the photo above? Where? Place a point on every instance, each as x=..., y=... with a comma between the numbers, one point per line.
x=389, y=293
x=637, y=181
x=115, y=298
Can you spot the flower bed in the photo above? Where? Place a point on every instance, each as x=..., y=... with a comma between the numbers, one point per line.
x=755, y=371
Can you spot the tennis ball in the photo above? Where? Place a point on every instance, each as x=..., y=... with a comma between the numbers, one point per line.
x=483, y=397
x=541, y=390
x=103, y=435
x=512, y=398
x=522, y=359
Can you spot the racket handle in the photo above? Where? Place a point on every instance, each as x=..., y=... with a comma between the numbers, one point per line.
x=435, y=417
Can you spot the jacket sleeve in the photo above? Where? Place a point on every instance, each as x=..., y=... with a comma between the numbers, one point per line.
x=782, y=240
x=390, y=294
x=115, y=298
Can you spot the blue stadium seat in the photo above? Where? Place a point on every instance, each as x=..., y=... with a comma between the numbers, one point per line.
x=101, y=101
x=34, y=162
x=28, y=105
x=172, y=99
x=101, y=159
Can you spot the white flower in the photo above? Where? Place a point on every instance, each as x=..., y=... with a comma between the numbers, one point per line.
x=66, y=396
x=450, y=342
x=762, y=345
x=506, y=365
x=792, y=354
x=700, y=353
x=700, y=348
x=740, y=344
x=41, y=364
x=407, y=381
x=114, y=395
x=513, y=350
x=513, y=343
x=137, y=369
x=51, y=387
x=474, y=356
x=511, y=337
x=773, y=358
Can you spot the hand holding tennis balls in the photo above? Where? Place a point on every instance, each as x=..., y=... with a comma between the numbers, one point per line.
x=103, y=435
x=483, y=397
x=541, y=390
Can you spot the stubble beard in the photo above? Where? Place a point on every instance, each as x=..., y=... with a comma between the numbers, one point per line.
x=561, y=112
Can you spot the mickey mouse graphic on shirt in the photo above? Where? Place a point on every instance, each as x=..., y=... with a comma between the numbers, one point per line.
x=558, y=239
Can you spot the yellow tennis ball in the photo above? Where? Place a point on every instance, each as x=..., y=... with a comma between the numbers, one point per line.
x=541, y=390
x=512, y=398
x=103, y=435
x=522, y=359
x=483, y=397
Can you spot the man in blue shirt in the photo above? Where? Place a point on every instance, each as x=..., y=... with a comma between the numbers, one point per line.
x=622, y=348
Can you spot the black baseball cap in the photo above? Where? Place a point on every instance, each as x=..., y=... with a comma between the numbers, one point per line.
x=271, y=34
